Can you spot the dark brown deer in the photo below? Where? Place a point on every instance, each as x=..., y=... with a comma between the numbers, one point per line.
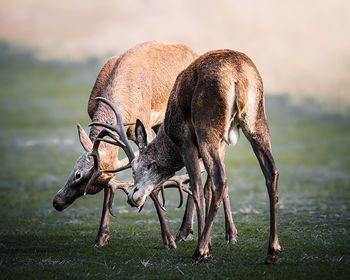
x=218, y=94
x=144, y=76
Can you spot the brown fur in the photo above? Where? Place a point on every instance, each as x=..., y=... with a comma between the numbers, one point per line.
x=144, y=76
x=100, y=84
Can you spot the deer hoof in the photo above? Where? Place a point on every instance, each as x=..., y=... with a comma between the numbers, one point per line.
x=197, y=258
x=172, y=245
x=201, y=256
x=231, y=241
x=179, y=239
x=183, y=234
x=101, y=240
x=272, y=257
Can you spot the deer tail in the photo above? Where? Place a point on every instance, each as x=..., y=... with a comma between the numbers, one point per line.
x=242, y=88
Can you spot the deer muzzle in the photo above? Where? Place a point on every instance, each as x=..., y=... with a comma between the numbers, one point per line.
x=137, y=196
x=64, y=198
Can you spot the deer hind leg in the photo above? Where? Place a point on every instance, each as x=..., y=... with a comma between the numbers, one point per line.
x=103, y=232
x=187, y=221
x=259, y=137
x=216, y=173
x=190, y=157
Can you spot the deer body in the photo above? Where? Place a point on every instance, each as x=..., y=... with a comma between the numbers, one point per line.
x=143, y=76
x=218, y=94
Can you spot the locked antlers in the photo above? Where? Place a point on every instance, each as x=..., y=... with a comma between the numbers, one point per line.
x=117, y=134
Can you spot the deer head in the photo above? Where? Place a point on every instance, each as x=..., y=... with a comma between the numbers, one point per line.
x=82, y=173
x=156, y=172
x=157, y=162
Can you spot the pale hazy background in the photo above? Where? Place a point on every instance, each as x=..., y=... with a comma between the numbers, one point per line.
x=302, y=48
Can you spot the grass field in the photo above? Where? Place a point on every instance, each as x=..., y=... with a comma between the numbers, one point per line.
x=40, y=104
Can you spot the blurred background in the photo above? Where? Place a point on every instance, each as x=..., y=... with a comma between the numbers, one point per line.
x=50, y=55
x=301, y=48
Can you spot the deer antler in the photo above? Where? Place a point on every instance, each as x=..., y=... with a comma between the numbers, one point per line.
x=117, y=133
x=119, y=137
x=175, y=182
x=114, y=185
x=94, y=154
x=122, y=140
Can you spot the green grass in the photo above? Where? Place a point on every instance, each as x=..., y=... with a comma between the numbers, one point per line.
x=40, y=104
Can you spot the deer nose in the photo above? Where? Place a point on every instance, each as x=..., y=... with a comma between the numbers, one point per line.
x=131, y=201
x=57, y=206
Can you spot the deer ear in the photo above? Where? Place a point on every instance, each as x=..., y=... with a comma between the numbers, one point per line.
x=141, y=135
x=84, y=139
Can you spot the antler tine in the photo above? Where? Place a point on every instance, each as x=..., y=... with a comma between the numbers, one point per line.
x=108, y=125
x=118, y=127
x=113, y=184
x=178, y=186
x=110, y=203
x=120, y=138
x=163, y=195
x=176, y=182
x=94, y=153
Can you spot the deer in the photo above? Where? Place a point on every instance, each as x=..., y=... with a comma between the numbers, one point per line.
x=144, y=76
x=216, y=96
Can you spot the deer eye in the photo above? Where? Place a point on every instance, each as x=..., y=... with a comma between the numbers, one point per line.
x=77, y=175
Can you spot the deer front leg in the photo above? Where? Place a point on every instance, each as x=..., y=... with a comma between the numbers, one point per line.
x=231, y=231
x=103, y=232
x=230, y=228
x=168, y=239
x=187, y=221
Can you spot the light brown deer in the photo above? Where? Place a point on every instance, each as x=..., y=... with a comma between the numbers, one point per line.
x=144, y=76
x=218, y=94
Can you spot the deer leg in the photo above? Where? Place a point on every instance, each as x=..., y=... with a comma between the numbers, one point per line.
x=208, y=198
x=262, y=151
x=254, y=126
x=103, y=232
x=231, y=231
x=190, y=158
x=168, y=239
x=216, y=172
x=187, y=221
x=230, y=228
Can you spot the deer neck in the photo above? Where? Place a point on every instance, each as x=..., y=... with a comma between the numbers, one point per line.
x=167, y=153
